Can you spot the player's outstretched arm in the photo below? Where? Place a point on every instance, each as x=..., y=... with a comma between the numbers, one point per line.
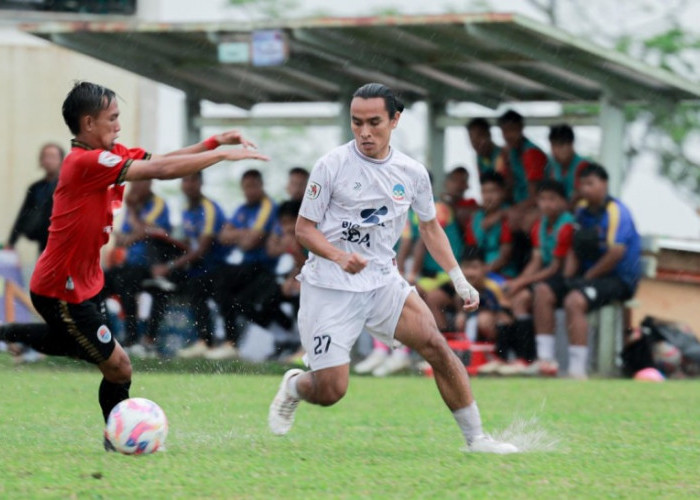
x=230, y=137
x=173, y=167
x=439, y=247
x=313, y=240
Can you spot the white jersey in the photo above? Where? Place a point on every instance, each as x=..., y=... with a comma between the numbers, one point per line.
x=361, y=206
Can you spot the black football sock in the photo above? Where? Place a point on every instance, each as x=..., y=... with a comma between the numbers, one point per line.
x=524, y=339
x=111, y=395
x=24, y=333
x=34, y=335
x=503, y=341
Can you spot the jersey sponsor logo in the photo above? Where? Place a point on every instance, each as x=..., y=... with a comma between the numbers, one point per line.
x=358, y=186
x=69, y=284
x=313, y=190
x=109, y=160
x=103, y=334
x=398, y=192
x=372, y=215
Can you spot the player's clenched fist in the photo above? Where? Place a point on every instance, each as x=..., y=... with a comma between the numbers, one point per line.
x=352, y=263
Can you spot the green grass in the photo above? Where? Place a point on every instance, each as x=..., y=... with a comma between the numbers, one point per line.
x=389, y=438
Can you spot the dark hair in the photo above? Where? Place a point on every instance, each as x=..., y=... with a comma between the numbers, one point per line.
x=552, y=186
x=253, y=173
x=61, y=151
x=493, y=177
x=458, y=170
x=479, y=123
x=392, y=103
x=594, y=169
x=85, y=98
x=299, y=171
x=511, y=117
x=472, y=253
x=288, y=209
x=561, y=133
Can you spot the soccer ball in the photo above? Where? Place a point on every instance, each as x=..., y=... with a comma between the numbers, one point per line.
x=136, y=426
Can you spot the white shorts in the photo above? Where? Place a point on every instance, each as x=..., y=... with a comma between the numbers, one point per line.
x=330, y=321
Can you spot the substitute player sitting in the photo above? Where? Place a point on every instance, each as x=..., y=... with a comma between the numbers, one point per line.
x=67, y=282
x=353, y=213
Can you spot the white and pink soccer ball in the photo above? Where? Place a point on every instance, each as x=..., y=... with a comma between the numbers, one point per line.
x=137, y=426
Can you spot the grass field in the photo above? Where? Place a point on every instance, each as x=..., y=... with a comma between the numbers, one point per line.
x=389, y=438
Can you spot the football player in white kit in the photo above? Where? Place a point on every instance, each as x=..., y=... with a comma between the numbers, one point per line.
x=355, y=207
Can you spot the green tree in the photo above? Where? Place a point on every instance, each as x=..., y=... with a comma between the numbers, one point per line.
x=667, y=133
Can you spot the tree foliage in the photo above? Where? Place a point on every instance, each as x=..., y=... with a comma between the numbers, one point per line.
x=669, y=133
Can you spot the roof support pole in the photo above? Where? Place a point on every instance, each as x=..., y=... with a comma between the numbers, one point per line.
x=193, y=133
x=612, y=157
x=612, y=124
x=435, y=160
x=344, y=115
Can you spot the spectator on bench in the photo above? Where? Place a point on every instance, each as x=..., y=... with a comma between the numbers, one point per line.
x=283, y=241
x=526, y=163
x=603, y=267
x=489, y=228
x=297, y=179
x=492, y=318
x=565, y=164
x=246, y=285
x=490, y=157
x=552, y=237
x=146, y=216
x=195, y=271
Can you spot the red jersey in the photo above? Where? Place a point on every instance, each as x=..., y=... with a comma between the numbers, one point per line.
x=81, y=221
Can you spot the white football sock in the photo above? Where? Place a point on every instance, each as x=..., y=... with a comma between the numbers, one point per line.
x=292, y=389
x=469, y=421
x=578, y=360
x=545, y=346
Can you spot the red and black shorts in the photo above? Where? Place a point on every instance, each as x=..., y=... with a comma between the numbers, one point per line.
x=76, y=330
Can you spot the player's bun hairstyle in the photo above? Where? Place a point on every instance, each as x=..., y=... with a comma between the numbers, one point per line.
x=493, y=178
x=561, y=133
x=392, y=103
x=594, y=169
x=480, y=124
x=511, y=117
x=552, y=186
x=472, y=253
x=85, y=98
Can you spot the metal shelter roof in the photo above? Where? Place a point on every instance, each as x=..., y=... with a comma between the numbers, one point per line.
x=483, y=58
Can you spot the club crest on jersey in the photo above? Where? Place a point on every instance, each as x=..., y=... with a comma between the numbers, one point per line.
x=108, y=159
x=313, y=190
x=103, y=334
x=398, y=192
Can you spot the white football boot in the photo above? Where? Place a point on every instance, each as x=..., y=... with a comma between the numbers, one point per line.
x=487, y=444
x=281, y=415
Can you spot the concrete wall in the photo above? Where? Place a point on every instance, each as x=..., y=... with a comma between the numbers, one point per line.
x=668, y=300
x=34, y=79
